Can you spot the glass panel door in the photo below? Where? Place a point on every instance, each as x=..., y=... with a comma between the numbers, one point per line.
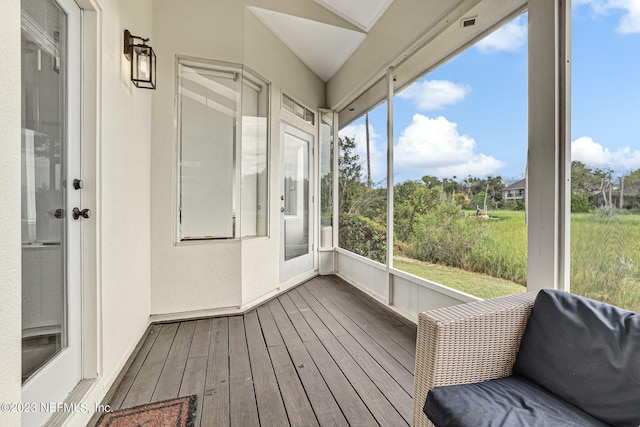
x=296, y=197
x=50, y=234
x=296, y=222
x=43, y=193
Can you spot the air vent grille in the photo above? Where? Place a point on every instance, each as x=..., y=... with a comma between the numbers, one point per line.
x=468, y=22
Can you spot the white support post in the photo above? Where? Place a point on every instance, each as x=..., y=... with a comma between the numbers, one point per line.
x=335, y=223
x=549, y=144
x=389, y=184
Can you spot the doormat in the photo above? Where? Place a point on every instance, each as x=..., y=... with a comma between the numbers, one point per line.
x=178, y=412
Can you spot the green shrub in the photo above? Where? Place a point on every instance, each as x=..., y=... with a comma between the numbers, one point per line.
x=519, y=205
x=513, y=205
x=363, y=236
x=446, y=236
x=580, y=203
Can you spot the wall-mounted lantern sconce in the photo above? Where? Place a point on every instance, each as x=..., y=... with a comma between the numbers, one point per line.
x=143, y=61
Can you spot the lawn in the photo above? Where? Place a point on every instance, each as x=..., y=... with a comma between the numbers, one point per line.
x=605, y=259
x=480, y=285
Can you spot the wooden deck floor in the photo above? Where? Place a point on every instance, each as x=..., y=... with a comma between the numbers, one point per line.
x=321, y=354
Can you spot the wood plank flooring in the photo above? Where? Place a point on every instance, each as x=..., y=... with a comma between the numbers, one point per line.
x=323, y=354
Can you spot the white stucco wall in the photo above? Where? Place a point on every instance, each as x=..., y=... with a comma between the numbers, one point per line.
x=265, y=53
x=122, y=147
x=124, y=186
x=217, y=274
x=10, y=271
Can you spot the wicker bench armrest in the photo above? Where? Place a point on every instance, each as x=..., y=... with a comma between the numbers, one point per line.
x=467, y=343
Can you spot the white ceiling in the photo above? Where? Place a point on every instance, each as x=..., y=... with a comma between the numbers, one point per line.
x=322, y=47
x=361, y=13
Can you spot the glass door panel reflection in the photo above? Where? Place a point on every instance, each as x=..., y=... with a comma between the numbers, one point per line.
x=44, y=196
x=296, y=197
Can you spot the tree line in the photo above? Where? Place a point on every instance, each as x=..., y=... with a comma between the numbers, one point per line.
x=429, y=214
x=603, y=188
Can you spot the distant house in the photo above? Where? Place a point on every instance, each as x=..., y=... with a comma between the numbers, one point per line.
x=630, y=196
x=514, y=191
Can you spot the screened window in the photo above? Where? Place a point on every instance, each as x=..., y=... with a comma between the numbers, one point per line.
x=326, y=179
x=222, y=151
x=605, y=153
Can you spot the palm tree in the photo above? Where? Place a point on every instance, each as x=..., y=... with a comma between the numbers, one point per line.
x=369, y=183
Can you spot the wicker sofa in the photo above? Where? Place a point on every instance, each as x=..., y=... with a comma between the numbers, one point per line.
x=476, y=345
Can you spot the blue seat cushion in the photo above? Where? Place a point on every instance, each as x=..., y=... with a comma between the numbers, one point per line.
x=511, y=401
x=586, y=353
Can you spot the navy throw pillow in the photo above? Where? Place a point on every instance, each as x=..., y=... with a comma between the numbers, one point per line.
x=585, y=352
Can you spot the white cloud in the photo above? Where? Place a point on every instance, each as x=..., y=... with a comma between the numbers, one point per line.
x=630, y=21
x=509, y=38
x=434, y=147
x=591, y=153
x=429, y=95
x=597, y=6
x=377, y=147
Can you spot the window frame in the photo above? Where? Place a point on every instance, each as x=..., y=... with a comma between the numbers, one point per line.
x=243, y=74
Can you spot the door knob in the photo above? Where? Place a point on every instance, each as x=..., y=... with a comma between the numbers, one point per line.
x=78, y=184
x=282, y=210
x=59, y=213
x=84, y=213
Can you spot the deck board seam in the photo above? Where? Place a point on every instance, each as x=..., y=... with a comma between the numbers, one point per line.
x=340, y=307
x=315, y=362
x=333, y=357
x=332, y=307
x=296, y=367
x=400, y=329
x=186, y=360
x=353, y=360
x=134, y=377
x=336, y=356
x=268, y=348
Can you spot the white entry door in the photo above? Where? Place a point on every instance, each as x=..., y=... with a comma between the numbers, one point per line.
x=52, y=213
x=296, y=210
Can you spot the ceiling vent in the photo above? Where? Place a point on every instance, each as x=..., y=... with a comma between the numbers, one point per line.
x=468, y=22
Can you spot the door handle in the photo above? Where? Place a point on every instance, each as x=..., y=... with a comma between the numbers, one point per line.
x=282, y=210
x=59, y=213
x=84, y=213
x=78, y=184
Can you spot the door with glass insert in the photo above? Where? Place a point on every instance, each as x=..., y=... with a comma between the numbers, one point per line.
x=296, y=218
x=51, y=210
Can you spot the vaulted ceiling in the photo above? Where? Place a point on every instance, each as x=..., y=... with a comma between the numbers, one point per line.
x=324, y=47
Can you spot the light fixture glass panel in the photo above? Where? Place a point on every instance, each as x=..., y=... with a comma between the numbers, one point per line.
x=144, y=68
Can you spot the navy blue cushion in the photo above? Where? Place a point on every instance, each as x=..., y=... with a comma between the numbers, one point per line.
x=586, y=353
x=511, y=401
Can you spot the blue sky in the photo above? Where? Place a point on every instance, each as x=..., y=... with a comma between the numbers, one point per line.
x=469, y=117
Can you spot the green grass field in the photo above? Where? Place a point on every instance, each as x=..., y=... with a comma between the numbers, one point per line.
x=605, y=259
x=477, y=284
